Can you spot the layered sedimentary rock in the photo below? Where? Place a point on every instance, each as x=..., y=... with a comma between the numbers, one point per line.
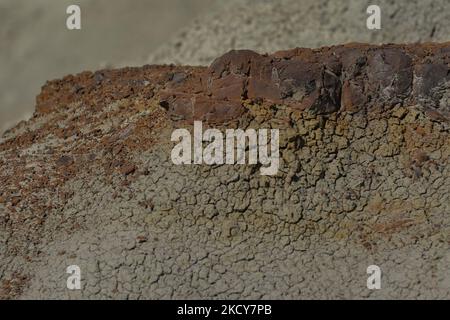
x=364, y=179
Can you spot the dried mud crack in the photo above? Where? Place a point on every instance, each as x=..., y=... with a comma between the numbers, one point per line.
x=364, y=179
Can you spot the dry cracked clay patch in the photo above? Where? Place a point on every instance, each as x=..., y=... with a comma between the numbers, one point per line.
x=363, y=179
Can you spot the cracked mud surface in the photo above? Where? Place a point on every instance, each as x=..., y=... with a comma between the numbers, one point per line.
x=364, y=179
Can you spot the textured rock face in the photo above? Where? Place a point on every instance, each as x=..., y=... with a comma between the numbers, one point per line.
x=352, y=77
x=364, y=179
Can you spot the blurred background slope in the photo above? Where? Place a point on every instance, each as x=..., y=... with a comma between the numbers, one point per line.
x=271, y=25
x=35, y=45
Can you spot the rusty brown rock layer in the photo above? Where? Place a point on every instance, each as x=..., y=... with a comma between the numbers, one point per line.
x=348, y=77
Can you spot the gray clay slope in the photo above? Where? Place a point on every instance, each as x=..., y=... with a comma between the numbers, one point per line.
x=364, y=180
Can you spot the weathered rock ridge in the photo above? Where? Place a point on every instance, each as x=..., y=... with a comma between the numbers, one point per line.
x=343, y=78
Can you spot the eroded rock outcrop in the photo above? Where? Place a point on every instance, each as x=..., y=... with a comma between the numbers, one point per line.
x=351, y=77
x=364, y=180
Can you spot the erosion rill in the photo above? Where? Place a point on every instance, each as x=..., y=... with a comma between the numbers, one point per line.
x=364, y=179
